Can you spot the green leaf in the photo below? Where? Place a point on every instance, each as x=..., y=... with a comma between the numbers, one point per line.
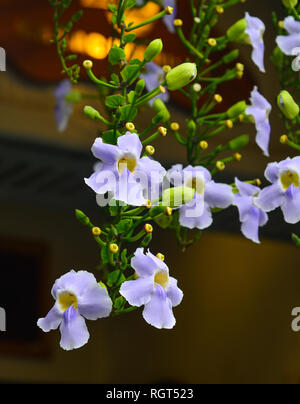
x=113, y=277
x=113, y=208
x=119, y=302
x=115, y=79
x=114, y=101
x=129, y=71
x=108, y=136
x=124, y=226
x=116, y=55
x=131, y=96
x=112, y=7
x=129, y=38
x=128, y=113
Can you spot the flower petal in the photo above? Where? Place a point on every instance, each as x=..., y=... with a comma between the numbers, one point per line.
x=139, y=291
x=270, y=198
x=94, y=302
x=246, y=189
x=291, y=205
x=143, y=264
x=218, y=195
x=201, y=222
x=244, y=205
x=158, y=311
x=130, y=143
x=52, y=320
x=74, y=333
x=250, y=226
x=173, y=292
x=108, y=153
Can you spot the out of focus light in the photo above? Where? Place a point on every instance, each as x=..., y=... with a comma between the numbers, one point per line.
x=137, y=15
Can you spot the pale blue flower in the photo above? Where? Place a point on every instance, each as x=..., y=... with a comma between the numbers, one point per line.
x=287, y=43
x=197, y=213
x=123, y=173
x=284, y=191
x=154, y=289
x=77, y=296
x=260, y=110
x=251, y=216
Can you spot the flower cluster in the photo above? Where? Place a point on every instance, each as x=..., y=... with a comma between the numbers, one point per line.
x=136, y=192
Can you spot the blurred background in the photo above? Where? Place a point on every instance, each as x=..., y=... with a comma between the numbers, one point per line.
x=234, y=324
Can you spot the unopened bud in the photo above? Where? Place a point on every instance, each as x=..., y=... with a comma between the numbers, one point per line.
x=113, y=248
x=175, y=126
x=284, y=139
x=236, y=109
x=150, y=150
x=87, y=64
x=218, y=98
x=163, y=131
x=148, y=228
x=237, y=156
x=238, y=142
x=130, y=126
x=160, y=106
x=287, y=105
x=160, y=256
x=169, y=211
x=220, y=165
x=174, y=197
x=178, y=22
x=82, y=217
x=212, y=42
x=236, y=31
x=229, y=124
x=153, y=49
x=289, y=3
x=91, y=113
x=231, y=56
x=139, y=88
x=181, y=76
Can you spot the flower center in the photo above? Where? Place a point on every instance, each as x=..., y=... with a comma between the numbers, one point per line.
x=66, y=300
x=289, y=178
x=161, y=278
x=128, y=162
x=196, y=183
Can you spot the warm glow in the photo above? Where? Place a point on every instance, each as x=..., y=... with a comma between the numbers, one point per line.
x=102, y=4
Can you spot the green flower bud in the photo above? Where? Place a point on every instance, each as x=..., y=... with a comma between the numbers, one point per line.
x=157, y=210
x=231, y=56
x=236, y=109
x=289, y=3
x=73, y=97
x=146, y=240
x=91, y=113
x=139, y=88
x=237, y=30
x=174, y=197
x=153, y=49
x=82, y=217
x=238, y=142
x=160, y=107
x=181, y=76
x=287, y=105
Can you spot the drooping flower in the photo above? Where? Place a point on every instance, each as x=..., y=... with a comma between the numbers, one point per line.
x=251, y=216
x=288, y=43
x=255, y=30
x=197, y=213
x=250, y=30
x=153, y=77
x=123, y=173
x=78, y=296
x=284, y=191
x=63, y=108
x=154, y=289
x=260, y=110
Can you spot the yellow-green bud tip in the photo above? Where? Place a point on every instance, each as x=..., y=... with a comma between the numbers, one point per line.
x=175, y=126
x=169, y=10
x=113, y=248
x=96, y=231
x=148, y=228
x=87, y=64
x=163, y=131
x=130, y=126
x=160, y=256
x=203, y=145
x=178, y=22
x=284, y=139
x=220, y=165
x=150, y=149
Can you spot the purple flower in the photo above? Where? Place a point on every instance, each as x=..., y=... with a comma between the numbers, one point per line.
x=169, y=18
x=63, y=109
x=153, y=77
x=154, y=289
x=78, y=296
x=287, y=43
x=284, y=191
x=255, y=30
x=251, y=216
x=197, y=213
x=260, y=110
x=123, y=173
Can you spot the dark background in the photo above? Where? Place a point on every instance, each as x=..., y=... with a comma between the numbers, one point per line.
x=234, y=324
